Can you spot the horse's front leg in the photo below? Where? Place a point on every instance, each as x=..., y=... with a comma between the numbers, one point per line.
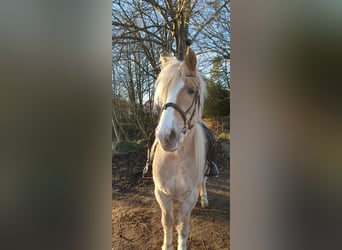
x=203, y=193
x=183, y=223
x=166, y=207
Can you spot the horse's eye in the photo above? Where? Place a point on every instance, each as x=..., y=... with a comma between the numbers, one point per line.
x=191, y=91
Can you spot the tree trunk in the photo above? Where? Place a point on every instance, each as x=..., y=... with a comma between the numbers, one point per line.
x=118, y=130
x=183, y=16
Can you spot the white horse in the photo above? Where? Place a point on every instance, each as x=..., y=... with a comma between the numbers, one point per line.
x=179, y=159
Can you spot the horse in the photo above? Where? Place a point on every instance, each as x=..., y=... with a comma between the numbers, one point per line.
x=180, y=147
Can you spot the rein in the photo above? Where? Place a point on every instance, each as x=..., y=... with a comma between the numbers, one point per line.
x=187, y=124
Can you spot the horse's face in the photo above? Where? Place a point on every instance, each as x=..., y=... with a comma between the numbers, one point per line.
x=179, y=92
x=173, y=124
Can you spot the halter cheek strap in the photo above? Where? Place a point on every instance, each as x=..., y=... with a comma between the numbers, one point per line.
x=187, y=124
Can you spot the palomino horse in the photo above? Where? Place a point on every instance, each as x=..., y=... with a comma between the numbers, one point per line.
x=179, y=159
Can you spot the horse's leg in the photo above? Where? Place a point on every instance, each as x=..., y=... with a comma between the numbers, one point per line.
x=203, y=193
x=183, y=223
x=166, y=207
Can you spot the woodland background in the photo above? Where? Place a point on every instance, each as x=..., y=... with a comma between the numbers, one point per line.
x=144, y=29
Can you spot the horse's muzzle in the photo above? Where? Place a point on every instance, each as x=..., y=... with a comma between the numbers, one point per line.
x=169, y=140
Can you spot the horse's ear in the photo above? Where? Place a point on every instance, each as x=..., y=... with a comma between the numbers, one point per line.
x=164, y=58
x=190, y=59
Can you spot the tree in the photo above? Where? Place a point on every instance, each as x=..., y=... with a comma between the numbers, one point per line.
x=218, y=100
x=144, y=29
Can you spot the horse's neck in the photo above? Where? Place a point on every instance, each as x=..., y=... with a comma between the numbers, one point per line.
x=188, y=145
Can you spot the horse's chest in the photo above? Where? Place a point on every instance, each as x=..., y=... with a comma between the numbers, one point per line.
x=179, y=178
x=181, y=169
x=178, y=189
x=176, y=174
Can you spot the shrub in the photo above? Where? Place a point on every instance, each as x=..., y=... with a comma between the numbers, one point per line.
x=224, y=136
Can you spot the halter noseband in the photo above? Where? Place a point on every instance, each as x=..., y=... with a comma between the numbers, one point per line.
x=187, y=124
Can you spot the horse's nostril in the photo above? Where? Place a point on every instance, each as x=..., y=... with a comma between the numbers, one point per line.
x=168, y=139
x=172, y=136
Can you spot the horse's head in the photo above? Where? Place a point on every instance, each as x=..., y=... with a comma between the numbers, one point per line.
x=179, y=94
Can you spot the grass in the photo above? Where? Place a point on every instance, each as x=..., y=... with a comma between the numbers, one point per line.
x=124, y=147
x=224, y=136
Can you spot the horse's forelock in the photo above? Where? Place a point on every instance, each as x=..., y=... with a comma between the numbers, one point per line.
x=167, y=79
x=173, y=72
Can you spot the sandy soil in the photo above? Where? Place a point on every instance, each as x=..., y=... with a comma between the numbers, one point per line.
x=136, y=214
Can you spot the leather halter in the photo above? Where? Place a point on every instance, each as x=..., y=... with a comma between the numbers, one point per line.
x=187, y=124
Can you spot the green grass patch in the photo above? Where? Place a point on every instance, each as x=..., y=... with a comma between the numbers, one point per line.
x=124, y=147
x=224, y=136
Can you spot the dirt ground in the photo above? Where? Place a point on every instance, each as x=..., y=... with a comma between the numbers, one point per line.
x=136, y=214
